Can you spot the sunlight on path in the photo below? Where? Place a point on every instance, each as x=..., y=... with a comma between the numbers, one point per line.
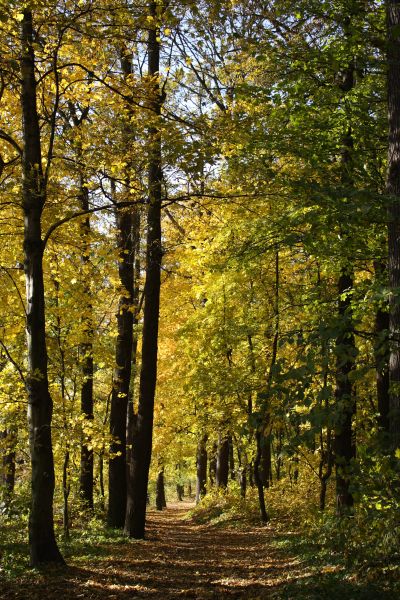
x=181, y=559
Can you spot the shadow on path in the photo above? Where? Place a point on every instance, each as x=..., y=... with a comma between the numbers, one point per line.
x=180, y=559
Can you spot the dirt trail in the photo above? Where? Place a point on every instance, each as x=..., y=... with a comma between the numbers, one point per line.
x=179, y=559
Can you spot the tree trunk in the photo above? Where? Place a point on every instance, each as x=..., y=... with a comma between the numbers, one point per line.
x=123, y=414
x=117, y=474
x=212, y=465
x=160, y=491
x=9, y=439
x=393, y=190
x=344, y=397
x=266, y=460
x=131, y=416
x=222, y=471
x=278, y=454
x=66, y=491
x=201, y=469
x=86, y=354
x=180, y=491
x=345, y=348
x=142, y=442
x=232, y=473
x=257, y=479
x=43, y=546
x=381, y=354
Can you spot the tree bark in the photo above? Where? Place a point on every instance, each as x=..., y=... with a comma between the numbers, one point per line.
x=142, y=442
x=381, y=354
x=86, y=353
x=266, y=458
x=117, y=474
x=344, y=397
x=212, y=465
x=232, y=472
x=222, y=470
x=43, y=546
x=345, y=405
x=260, y=488
x=122, y=418
x=9, y=438
x=131, y=416
x=201, y=469
x=160, y=491
x=393, y=191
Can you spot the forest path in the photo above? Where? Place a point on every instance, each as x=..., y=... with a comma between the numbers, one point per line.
x=182, y=559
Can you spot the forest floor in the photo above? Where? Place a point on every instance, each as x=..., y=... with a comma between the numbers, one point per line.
x=184, y=559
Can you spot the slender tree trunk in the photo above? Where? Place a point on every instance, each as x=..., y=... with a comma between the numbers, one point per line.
x=117, y=474
x=160, y=491
x=142, y=442
x=201, y=469
x=393, y=190
x=232, y=472
x=66, y=491
x=131, y=416
x=180, y=491
x=123, y=418
x=9, y=439
x=86, y=353
x=327, y=459
x=243, y=481
x=222, y=471
x=278, y=454
x=43, y=546
x=382, y=355
x=257, y=479
x=212, y=465
x=345, y=405
x=344, y=396
x=266, y=459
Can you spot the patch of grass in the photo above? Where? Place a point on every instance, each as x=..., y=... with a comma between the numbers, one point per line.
x=324, y=574
x=90, y=540
x=14, y=551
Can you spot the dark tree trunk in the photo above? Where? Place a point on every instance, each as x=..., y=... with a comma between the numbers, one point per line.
x=160, y=491
x=222, y=471
x=326, y=460
x=344, y=395
x=232, y=473
x=201, y=469
x=381, y=353
x=142, y=442
x=66, y=491
x=345, y=406
x=212, y=466
x=122, y=409
x=266, y=461
x=86, y=353
x=243, y=481
x=43, y=546
x=278, y=454
x=393, y=190
x=180, y=491
x=250, y=470
x=117, y=474
x=257, y=479
x=9, y=439
x=131, y=416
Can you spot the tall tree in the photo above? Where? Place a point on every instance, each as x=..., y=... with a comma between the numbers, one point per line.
x=393, y=191
x=142, y=441
x=42, y=542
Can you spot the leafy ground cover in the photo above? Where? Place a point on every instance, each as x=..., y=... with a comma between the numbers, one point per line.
x=185, y=558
